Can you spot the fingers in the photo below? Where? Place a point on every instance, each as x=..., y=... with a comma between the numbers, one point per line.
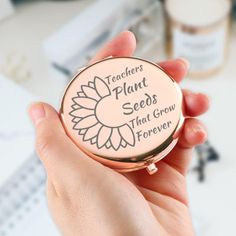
x=172, y=169
x=195, y=103
x=193, y=134
x=49, y=132
x=67, y=167
x=123, y=45
x=57, y=152
x=177, y=69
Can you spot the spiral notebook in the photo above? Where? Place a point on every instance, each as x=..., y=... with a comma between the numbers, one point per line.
x=23, y=204
x=23, y=207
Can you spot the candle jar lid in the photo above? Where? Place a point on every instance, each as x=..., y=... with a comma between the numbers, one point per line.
x=124, y=112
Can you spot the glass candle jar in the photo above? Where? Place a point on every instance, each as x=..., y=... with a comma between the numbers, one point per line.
x=198, y=31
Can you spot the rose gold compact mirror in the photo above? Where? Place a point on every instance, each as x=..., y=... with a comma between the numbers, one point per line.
x=124, y=112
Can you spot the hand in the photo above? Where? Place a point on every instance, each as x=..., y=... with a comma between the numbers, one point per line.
x=87, y=198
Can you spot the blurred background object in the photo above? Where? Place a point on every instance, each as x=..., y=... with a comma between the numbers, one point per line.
x=42, y=45
x=6, y=9
x=69, y=48
x=16, y=67
x=198, y=31
x=23, y=208
x=234, y=9
x=206, y=153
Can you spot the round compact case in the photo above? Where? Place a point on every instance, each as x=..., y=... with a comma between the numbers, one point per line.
x=124, y=112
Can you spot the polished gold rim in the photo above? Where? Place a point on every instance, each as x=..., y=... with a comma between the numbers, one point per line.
x=144, y=159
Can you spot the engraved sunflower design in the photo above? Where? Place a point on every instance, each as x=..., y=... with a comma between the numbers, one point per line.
x=87, y=123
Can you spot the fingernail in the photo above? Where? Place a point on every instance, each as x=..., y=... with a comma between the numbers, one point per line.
x=206, y=96
x=197, y=129
x=187, y=91
x=36, y=112
x=185, y=62
x=200, y=131
x=194, y=96
x=190, y=99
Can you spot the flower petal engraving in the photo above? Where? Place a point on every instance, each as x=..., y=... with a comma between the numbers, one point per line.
x=103, y=136
x=76, y=119
x=81, y=95
x=92, y=132
x=108, y=145
x=93, y=140
x=75, y=106
x=85, y=102
x=91, y=84
x=115, y=139
x=86, y=122
x=101, y=87
x=82, y=131
x=81, y=113
x=90, y=92
x=123, y=143
x=127, y=134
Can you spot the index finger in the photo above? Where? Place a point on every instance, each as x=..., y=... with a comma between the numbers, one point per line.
x=177, y=68
x=122, y=45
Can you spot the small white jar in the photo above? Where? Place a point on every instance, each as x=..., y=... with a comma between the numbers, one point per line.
x=198, y=31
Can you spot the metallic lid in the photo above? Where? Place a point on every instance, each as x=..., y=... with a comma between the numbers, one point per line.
x=124, y=112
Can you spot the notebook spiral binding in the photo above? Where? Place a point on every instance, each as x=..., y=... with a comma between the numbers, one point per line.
x=24, y=189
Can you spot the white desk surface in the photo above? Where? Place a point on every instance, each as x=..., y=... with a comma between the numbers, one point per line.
x=213, y=202
x=23, y=34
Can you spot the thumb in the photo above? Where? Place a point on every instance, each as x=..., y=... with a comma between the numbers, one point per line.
x=57, y=152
